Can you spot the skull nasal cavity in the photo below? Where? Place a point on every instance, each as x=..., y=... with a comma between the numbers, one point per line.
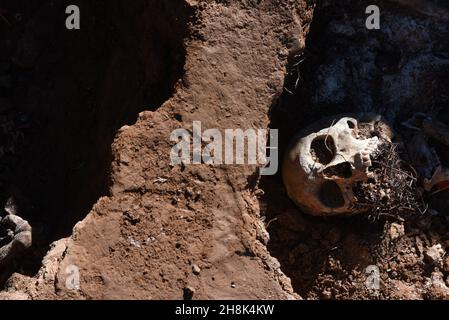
x=322, y=149
x=330, y=195
x=342, y=170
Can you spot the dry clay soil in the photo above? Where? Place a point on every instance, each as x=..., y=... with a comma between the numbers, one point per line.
x=175, y=232
x=235, y=59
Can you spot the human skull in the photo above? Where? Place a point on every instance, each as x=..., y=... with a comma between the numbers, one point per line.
x=324, y=163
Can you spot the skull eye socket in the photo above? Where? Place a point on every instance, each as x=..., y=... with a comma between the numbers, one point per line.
x=351, y=124
x=330, y=195
x=323, y=149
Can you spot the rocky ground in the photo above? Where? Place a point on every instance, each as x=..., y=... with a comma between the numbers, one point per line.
x=87, y=115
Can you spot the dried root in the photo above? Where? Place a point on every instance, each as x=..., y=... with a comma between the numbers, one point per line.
x=393, y=190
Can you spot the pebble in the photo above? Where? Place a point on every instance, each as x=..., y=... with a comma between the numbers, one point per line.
x=134, y=242
x=434, y=254
x=396, y=231
x=196, y=270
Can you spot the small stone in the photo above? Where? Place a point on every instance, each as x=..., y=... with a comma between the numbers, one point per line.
x=196, y=270
x=383, y=195
x=396, y=231
x=233, y=285
x=434, y=254
x=134, y=242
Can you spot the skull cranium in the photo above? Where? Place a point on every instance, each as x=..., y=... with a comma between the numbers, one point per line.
x=324, y=163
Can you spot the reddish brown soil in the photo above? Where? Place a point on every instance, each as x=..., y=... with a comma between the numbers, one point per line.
x=235, y=60
x=158, y=231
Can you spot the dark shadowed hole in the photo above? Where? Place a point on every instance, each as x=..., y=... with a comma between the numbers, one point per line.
x=342, y=170
x=322, y=149
x=79, y=89
x=330, y=195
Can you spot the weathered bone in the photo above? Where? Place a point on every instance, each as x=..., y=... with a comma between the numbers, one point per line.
x=323, y=165
x=22, y=239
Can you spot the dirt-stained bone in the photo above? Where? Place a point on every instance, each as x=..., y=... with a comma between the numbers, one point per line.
x=323, y=164
x=19, y=233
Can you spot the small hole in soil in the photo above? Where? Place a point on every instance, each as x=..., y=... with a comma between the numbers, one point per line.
x=322, y=149
x=330, y=195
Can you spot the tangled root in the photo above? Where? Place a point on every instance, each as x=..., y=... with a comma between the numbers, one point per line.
x=393, y=192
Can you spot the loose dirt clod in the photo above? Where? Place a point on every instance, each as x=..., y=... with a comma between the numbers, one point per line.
x=196, y=270
x=434, y=254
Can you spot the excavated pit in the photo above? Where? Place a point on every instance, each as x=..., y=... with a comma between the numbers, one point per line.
x=396, y=71
x=72, y=91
